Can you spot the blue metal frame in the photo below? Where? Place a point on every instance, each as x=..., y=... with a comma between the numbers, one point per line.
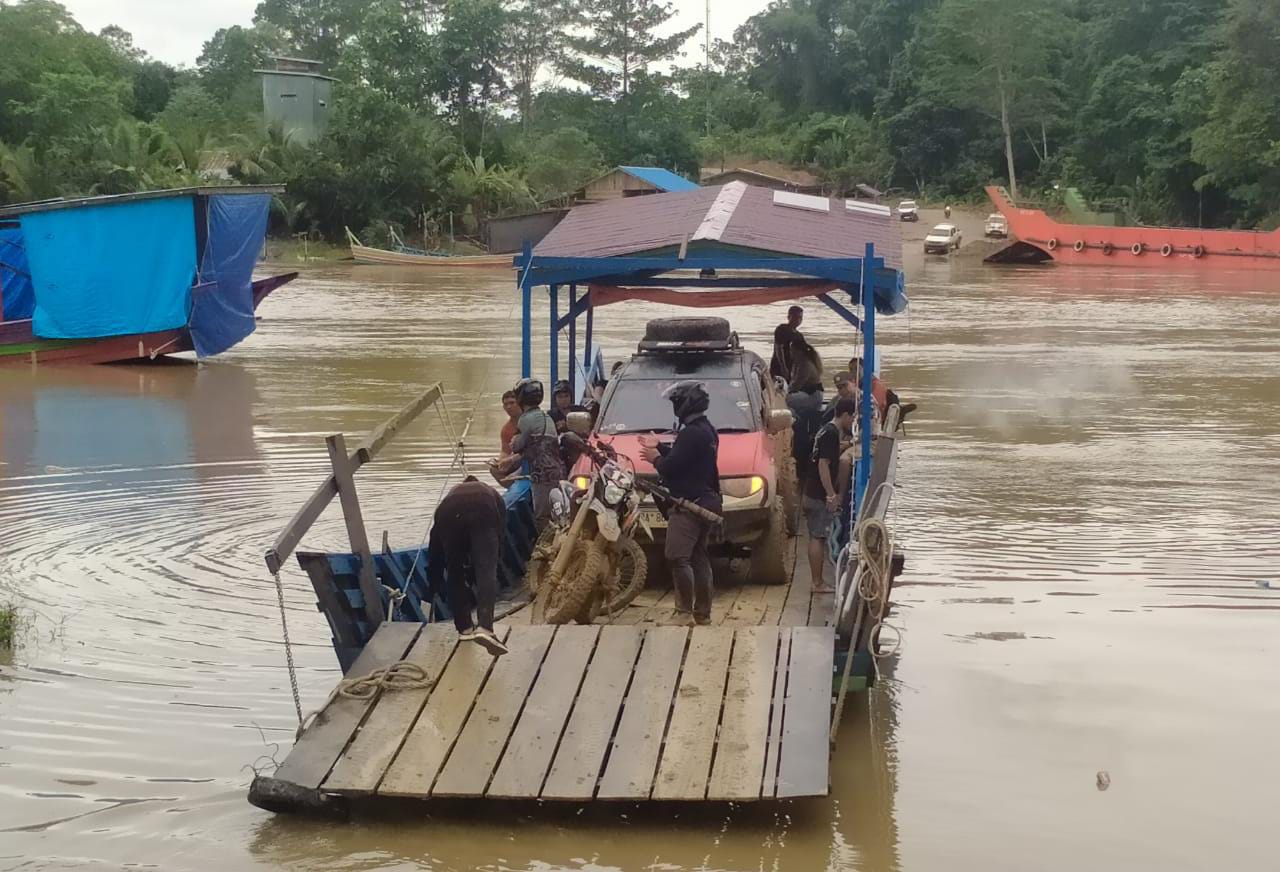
x=866, y=278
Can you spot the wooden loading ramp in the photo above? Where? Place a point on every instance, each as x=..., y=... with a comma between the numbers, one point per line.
x=576, y=713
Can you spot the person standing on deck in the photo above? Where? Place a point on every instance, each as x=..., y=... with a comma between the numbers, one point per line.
x=505, y=465
x=784, y=336
x=466, y=541
x=689, y=470
x=822, y=488
x=511, y=406
x=536, y=439
x=561, y=404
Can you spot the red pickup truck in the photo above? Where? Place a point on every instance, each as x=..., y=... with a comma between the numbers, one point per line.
x=757, y=471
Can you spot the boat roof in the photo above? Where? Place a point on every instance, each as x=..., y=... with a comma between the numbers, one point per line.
x=734, y=216
x=76, y=202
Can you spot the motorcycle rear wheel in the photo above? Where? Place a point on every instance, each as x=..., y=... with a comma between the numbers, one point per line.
x=629, y=580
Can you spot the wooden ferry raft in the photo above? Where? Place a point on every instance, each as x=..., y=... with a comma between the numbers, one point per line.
x=634, y=711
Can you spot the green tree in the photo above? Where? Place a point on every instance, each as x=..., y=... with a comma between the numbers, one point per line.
x=559, y=162
x=536, y=36
x=618, y=40
x=1239, y=144
x=469, y=44
x=313, y=29
x=228, y=59
x=392, y=52
x=995, y=57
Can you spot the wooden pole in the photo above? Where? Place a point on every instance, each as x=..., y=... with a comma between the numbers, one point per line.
x=342, y=477
x=366, y=451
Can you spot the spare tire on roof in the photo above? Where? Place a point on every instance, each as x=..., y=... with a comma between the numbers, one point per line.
x=687, y=330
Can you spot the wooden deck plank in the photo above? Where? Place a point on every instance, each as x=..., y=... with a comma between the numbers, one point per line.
x=723, y=600
x=361, y=767
x=821, y=608
x=775, y=597
x=695, y=718
x=639, y=607
x=795, y=613
x=315, y=752
x=749, y=608
x=432, y=736
x=777, y=705
x=738, y=769
x=586, y=738
x=804, y=759
x=631, y=766
x=485, y=734
x=533, y=742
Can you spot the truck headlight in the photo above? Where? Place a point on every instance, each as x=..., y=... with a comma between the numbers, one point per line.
x=742, y=486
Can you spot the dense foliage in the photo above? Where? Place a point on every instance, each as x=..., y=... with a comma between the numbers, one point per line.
x=450, y=111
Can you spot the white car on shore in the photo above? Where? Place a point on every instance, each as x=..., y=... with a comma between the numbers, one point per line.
x=908, y=211
x=943, y=239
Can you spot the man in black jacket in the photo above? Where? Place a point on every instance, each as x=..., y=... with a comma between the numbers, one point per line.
x=688, y=469
x=466, y=542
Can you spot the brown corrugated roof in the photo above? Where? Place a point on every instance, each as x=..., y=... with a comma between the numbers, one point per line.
x=734, y=215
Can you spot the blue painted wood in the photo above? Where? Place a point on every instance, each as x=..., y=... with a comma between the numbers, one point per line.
x=573, y=343
x=868, y=358
x=406, y=570
x=554, y=370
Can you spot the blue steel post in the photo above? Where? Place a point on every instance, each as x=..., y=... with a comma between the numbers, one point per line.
x=526, y=321
x=588, y=353
x=554, y=375
x=573, y=342
x=868, y=364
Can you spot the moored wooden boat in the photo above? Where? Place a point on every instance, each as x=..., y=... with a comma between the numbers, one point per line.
x=411, y=257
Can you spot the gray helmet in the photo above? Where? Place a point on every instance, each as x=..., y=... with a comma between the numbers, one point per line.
x=687, y=398
x=529, y=392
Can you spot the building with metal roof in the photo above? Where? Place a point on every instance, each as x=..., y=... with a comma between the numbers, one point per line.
x=626, y=182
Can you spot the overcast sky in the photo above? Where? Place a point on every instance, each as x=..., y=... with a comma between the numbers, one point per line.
x=175, y=31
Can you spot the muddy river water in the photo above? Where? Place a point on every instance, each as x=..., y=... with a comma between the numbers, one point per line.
x=1090, y=503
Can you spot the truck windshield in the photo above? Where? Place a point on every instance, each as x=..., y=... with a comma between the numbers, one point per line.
x=637, y=406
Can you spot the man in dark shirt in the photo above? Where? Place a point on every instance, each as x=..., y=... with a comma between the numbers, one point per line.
x=561, y=405
x=466, y=540
x=822, y=488
x=688, y=469
x=784, y=336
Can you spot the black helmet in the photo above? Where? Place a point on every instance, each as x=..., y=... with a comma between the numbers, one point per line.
x=529, y=392
x=687, y=398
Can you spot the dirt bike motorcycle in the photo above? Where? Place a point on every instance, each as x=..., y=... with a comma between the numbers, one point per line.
x=588, y=562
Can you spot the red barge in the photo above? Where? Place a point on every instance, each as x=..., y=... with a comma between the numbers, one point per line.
x=1139, y=247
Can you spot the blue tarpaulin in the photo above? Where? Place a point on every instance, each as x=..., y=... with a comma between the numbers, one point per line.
x=112, y=270
x=16, y=297
x=222, y=304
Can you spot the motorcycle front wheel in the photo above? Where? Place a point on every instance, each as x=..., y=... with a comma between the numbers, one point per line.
x=566, y=599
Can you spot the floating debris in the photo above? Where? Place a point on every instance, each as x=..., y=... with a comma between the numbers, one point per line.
x=1104, y=779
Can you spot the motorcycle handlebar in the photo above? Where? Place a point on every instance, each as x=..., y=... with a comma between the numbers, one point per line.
x=605, y=453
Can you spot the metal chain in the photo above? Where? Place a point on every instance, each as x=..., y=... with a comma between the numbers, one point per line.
x=288, y=650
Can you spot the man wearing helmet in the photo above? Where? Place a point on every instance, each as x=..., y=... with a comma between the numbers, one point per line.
x=561, y=404
x=537, y=441
x=688, y=469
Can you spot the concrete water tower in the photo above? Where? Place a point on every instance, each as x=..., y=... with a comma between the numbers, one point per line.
x=298, y=97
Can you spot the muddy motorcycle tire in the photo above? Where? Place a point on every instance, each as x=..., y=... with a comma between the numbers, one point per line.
x=582, y=578
x=633, y=572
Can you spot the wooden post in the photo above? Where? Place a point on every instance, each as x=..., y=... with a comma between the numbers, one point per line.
x=342, y=470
